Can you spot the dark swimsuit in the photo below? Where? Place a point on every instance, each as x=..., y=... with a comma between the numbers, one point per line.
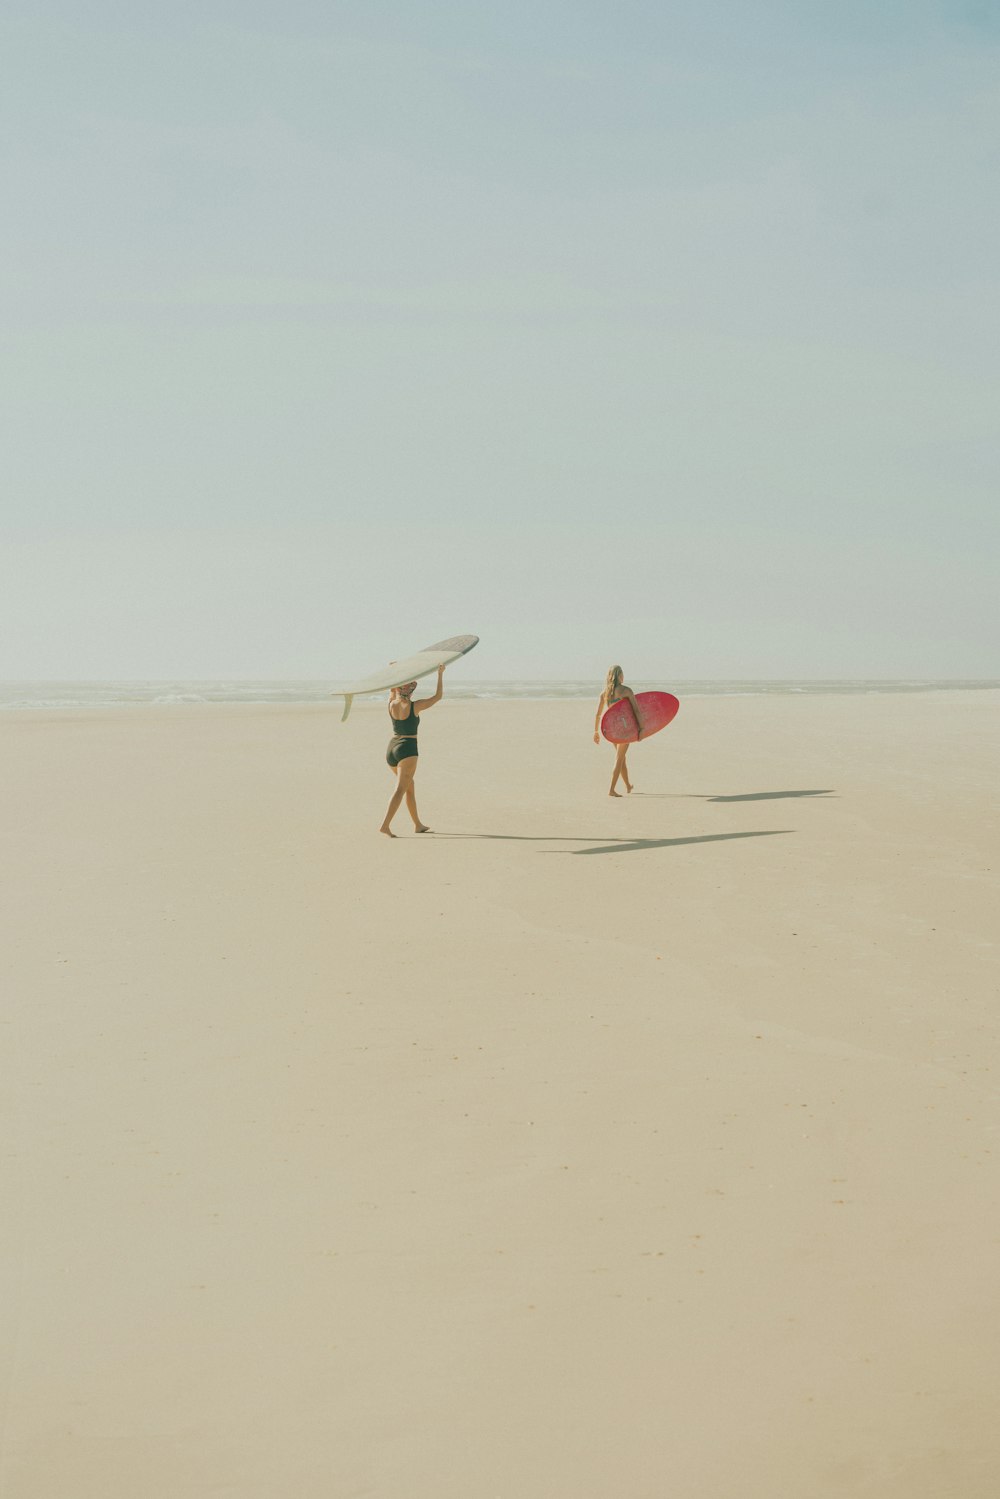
x=403, y=743
x=621, y=698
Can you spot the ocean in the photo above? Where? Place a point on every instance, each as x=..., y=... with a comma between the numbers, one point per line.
x=60, y=695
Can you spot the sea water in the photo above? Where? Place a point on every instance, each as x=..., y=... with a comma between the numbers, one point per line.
x=56, y=695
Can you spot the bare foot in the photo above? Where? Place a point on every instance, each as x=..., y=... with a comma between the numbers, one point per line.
x=387, y=833
x=614, y=793
x=421, y=828
x=628, y=787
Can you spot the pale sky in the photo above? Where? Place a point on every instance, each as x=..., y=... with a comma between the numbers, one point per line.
x=657, y=331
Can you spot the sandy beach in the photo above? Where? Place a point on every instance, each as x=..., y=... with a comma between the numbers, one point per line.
x=586, y=1149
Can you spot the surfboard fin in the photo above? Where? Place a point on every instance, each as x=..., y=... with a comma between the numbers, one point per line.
x=348, y=700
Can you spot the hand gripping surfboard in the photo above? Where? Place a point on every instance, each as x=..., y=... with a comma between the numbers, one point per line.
x=414, y=667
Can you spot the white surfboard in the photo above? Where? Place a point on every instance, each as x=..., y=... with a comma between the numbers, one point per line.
x=414, y=667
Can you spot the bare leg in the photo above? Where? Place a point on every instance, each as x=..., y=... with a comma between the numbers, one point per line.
x=393, y=807
x=619, y=770
x=405, y=772
x=411, y=807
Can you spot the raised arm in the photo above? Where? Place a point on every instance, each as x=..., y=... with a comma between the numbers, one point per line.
x=428, y=702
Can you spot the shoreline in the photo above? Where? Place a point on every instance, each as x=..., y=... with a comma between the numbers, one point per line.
x=321, y=693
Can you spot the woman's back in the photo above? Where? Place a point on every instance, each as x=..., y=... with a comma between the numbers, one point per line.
x=407, y=726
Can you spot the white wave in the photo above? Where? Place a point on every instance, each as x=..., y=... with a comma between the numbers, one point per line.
x=44, y=696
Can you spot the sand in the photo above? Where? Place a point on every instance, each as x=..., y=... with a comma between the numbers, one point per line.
x=586, y=1149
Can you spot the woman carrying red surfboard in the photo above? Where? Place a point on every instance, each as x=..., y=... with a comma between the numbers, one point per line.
x=627, y=718
x=614, y=691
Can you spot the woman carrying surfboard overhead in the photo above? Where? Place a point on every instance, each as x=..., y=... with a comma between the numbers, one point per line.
x=401, y=756
x=614, y=691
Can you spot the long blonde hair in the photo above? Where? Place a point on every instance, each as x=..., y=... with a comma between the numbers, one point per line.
x=613, y=683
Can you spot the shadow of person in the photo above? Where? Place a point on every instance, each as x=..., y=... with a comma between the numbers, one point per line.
x=768, y=796
x=634, y=845
x=525, y=837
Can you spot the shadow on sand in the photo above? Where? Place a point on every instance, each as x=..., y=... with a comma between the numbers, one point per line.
x=769, y=796
x=635, y=844
x=744, y=796
x=617, y=845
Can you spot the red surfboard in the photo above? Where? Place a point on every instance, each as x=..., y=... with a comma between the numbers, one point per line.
x=656, y=710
